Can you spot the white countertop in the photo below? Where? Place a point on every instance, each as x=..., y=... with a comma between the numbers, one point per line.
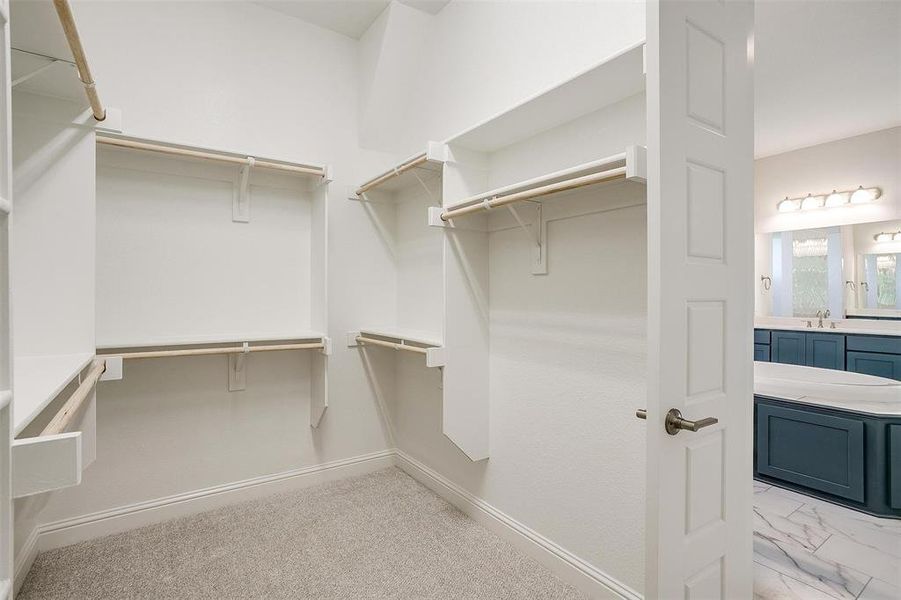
x=850, y=326
x=826, y=387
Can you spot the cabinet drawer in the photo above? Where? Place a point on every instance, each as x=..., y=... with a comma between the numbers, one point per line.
x=872, y=363
x=762, y=352
x=761, y=336
x=874, y=343
x=819, y=451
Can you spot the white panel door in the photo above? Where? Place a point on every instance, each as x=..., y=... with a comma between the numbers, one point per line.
x=700, y=217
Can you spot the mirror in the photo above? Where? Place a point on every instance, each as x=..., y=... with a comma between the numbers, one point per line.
x=853, y=271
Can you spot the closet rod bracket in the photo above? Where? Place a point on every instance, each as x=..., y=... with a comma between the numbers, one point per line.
x=113, y=370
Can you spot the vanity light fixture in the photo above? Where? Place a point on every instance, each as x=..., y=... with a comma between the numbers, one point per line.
x=789, y=205
x=836, y=199
x=861, y=195
x=812, y=201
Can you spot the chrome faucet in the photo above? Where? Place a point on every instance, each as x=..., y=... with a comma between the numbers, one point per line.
x=822, y=315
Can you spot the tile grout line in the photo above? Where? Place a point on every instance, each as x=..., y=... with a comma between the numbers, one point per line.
x=805, y=584
x=864, y=588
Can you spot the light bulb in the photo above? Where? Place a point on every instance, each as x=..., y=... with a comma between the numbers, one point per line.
x=835, y=199
x=897, y=237
x=862, y=196
x=884, y=237
x=788, y=205
x=812, y=202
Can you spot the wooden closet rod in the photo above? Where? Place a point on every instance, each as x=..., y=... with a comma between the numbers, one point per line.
x=413, y=162
x=238, y=160
x=222, y=350
x=64, y=416
x=366, y=340
x=560, y=186
x=67, y=20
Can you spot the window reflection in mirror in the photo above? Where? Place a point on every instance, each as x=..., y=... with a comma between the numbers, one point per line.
x=807, y=272
x=854, y=271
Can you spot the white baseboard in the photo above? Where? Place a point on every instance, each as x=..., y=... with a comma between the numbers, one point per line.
x=24, y=560
x=124, y=518
x=562, y=563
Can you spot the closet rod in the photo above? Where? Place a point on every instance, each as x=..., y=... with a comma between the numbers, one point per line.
x=560, y=186
x=365, y=340
x=67, y=20
x=406, y=166
x=207, y=351
x=239, y=160
x=64, y=416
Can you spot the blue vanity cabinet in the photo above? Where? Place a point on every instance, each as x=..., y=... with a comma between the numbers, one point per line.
x=818, y=451
x=874, y=355
x=825, y=350
x=845, y=457
x=762, y=345
x=788, y=347
x=871, y=363
x=878, y=355
x=894, y=453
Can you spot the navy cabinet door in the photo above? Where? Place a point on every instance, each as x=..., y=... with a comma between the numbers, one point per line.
x=762, y=352
x=785, y=437
x=789, y=347
x=826, y=351
x=872, y=363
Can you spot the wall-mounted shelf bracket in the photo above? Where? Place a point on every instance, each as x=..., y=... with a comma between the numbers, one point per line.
x=241, y=201
x=536, y=233
x=435, y=217
x=637, y=164
x=237, y=370
x=327, y=175
x=113, y=370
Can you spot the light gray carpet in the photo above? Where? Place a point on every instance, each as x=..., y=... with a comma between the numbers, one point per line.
x=381, y=535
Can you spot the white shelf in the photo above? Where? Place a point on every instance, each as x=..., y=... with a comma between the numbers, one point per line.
x=422, y=167
x=211, y=339
x=38, y=380
x=613, y=80
x=633, y=159
x=423, y=338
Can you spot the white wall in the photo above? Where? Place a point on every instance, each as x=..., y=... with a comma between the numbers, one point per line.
x=432, y=77
x=870, y=160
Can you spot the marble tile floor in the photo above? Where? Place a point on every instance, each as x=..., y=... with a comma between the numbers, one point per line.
x=809, y=549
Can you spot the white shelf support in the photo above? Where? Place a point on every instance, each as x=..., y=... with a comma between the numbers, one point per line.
x=637, y=164
x=237, y=370
x=536, y=233
x=114, y=371
x=241, y=201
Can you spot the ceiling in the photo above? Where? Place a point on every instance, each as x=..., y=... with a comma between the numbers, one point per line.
x=347, y=17
x=825, y=71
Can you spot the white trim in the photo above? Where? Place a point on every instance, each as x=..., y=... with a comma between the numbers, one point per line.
x=565, y=565
x=24, y=560
x=132, y=516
